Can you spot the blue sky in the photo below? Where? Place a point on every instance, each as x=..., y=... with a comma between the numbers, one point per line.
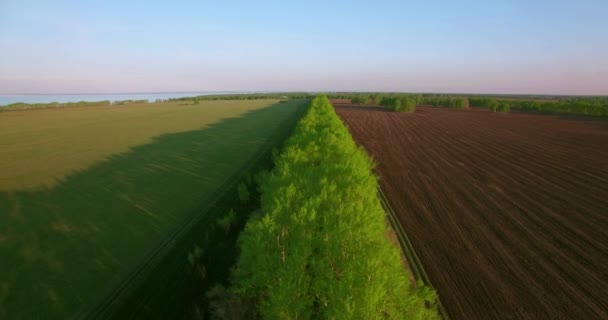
x=508, y=46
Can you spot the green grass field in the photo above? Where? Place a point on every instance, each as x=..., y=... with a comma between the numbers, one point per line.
x=84, y=192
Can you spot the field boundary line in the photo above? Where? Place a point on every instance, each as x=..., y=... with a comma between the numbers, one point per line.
x=408, y=250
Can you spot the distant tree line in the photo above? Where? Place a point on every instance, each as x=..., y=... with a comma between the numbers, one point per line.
x=490, y=103
x=122, y=102
x=196, y=99
x=592, y=106
x=252, y=96
x=23, y=106
x=404, y=102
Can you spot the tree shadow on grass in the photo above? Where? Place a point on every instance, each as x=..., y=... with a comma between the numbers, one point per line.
x=60, y=246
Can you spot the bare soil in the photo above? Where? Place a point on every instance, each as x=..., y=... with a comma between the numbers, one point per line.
x=507, y=212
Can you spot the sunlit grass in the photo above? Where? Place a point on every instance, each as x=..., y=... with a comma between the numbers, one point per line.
x=40, y=147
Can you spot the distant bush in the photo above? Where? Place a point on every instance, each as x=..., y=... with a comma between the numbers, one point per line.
x=376, y=99
x=503, y=107
x=243, y=191
x=227, y=221
x=460, y=103
x=399, y=103
x=407, y=105
x=360, y=100
x=224, y=304
x=492, y=104
x=386, y=101
x=395, y=104
x=195, y=255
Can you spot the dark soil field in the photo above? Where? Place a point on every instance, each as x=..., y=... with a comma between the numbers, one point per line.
x=507, y=212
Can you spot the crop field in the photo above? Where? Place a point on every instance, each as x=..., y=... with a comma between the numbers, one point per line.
x=86, y=191
x=507, y=212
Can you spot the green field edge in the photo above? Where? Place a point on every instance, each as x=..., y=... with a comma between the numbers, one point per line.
x=408, y=250
x=114, y=298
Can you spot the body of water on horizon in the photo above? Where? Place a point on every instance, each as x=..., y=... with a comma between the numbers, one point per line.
x=6, y=99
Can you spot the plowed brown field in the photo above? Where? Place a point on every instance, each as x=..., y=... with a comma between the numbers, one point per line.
x=507, y=212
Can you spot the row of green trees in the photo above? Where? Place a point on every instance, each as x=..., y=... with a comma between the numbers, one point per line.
x=490, y=103
x=592, y=106
x=399, y=103
x=446, y=101
x=123, y=102
x=23, y=106
x=390, y=99
x=319, y=249
x=363, y=99
x=247, y=96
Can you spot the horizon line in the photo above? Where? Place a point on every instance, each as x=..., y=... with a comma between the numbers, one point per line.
x=305, y=91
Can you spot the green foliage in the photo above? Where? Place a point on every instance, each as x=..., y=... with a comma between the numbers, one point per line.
x=492, y=104
x=408, y=104
x=251, y=96
x=195, y=255
x=224, y=304
x=459, y=103
x=445, y=101
x=399, y=103
x=362, y=99
x=23, y=106
x=395, y=104
x=591, y=106
x=504, y=107
x=226, y=222
x=123, y=102
x=376, y=99
x=243, y=191
x=260, y=179
x=320, y=250
x=425, y=293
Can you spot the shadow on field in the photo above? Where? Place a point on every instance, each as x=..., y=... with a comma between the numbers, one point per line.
x=597, y=121
x=594, y=120
x=61, y=247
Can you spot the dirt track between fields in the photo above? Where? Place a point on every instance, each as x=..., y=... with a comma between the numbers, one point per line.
x=507, y=212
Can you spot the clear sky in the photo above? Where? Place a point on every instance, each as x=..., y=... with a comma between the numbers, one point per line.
x=493, y=46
